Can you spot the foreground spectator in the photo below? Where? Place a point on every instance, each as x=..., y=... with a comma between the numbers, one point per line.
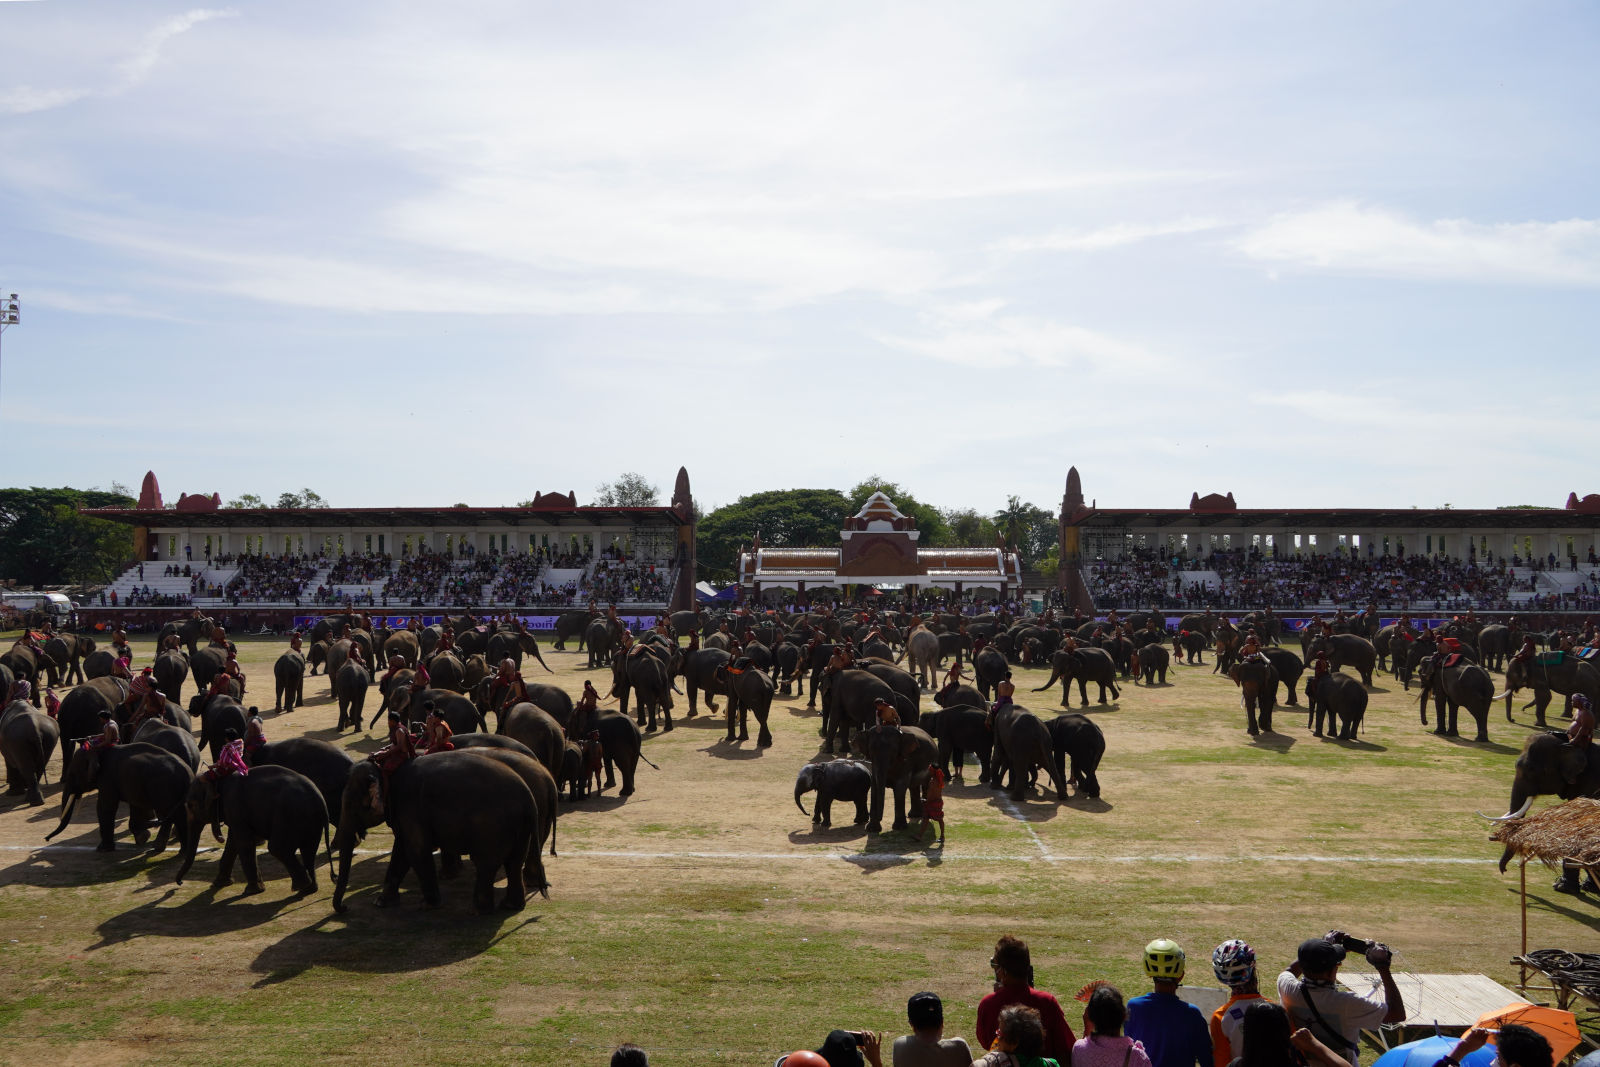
x=1013, y=984
x=926, y=1045
x=630, y=1055
x=1265, y=1040
x=1335, y=1017
x=1234, y=964
x=1518, y=1045
x=1019, y=1041
x=1172, y=1030
x=1103, y=1043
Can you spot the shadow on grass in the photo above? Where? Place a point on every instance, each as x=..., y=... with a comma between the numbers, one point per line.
x=49, y=868
x=1357, y=745
x=1482, y=746
x=208, y=913
x=819, y=834
x=1093, y=805
x=1036, y=805
x=703, y=720
x=1273, y=740
x=1549, y=901
x=599, y=801
x=722, y=748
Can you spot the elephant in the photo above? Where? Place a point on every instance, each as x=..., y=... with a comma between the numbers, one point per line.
x=512, y=645
x=557, y=701
x=1189, y=646
x=541, y=782
x=698, y=668
x=683, y=623
x=79, y=714
x=1079, y=739
x=848, y=700
x=1289, y=667
x=327, y=765
x=170, y=670
x=350, y=685
x=1346, y=649
x=1084, y=665
x=576, y=771
x=190, y=632
x=67, y=650
x=288, y=678
x=28, y=739
x=643, y=673
x=206, y=664
x=480, y=740
x=1149, y=662
x=272, y=805
x=1341, y=697
x=908, y=695
x=26, y=665
x=602, y=636
x=749, y=690
x=922, y=648
x=446, y=671
x=152, y=781
x=786, y=665
x=1021, y=744
x=537, y=729
x=99, y=663
x=329, y=627
x=1567, y=676
x=460, y=713
x=1463, y=685
x=454, y=801
x=989, y=669
x=180, y=742
x=217, y=715
x=1548, y=766
x=1257, y=680
x=404, y=644
x=1494, y=645
x=839, y=779
x=570, y=624
x=901, y=758
x=960, y=729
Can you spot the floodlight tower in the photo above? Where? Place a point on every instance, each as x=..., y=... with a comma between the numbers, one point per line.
x=10, y=313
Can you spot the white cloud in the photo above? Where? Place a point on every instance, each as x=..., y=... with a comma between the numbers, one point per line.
x=130, y=73
x=978, y=335
x=1352, y=238
x=1108, y=236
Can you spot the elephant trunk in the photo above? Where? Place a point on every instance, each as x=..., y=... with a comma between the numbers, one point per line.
x=69, y=803
x=1055, y=676
x=800, y=790
x=345, y=842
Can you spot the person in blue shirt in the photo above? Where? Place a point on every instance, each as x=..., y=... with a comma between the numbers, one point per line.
x=1173, y=1031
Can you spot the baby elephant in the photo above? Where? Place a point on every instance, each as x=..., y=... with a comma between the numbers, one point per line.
x=839, y=779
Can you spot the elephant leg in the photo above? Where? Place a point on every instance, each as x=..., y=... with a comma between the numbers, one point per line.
x=389, y=896
x=693, y=695
x=108, y=822
x=764, y=736
x=428, y=877
x=744, y=722
x=629, y=765
x=731, y=715
x=823, y=815
x=1250, y=716
x=666, y=712
x=139, y=819
x=230, y=851
x=484, y=867
x=247, y=860
x=516, y=861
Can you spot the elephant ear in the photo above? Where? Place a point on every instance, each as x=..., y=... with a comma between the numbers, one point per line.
x=908, y=744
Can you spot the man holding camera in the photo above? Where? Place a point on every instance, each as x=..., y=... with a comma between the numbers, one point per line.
x=1334, y=1016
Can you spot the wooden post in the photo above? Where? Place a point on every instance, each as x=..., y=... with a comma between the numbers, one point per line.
x=1523, y=967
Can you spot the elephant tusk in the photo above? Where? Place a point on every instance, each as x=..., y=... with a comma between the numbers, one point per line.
x=1519, y=813
x=1500, y=696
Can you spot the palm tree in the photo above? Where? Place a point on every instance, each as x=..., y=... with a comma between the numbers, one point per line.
x=1012, y=522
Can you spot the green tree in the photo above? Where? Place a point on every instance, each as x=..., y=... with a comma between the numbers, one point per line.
x=967, y=528
x=927, y=517
x=305, y=498
x=785, y=518
x=44, y=541
x=246, y=500
x=630, y=490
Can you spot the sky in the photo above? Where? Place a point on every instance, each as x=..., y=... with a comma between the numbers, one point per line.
x=1319, y=254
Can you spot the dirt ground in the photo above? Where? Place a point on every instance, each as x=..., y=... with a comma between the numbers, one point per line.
x=668, y=909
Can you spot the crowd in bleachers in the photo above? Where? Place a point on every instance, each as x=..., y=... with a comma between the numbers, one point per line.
x=614, y=581
x=518, y=581
x=270, y=578
x=464, y=587
x=1248, y=578
x=359, y=570
x=143, y=597
x=416, y=579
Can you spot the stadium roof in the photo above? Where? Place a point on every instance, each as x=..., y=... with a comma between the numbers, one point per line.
x=391, y=517
x=1314, y=519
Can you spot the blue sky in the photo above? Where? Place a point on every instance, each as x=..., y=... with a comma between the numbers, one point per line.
x=413, y=254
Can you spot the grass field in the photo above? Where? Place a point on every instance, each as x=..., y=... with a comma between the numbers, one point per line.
x=704, y=919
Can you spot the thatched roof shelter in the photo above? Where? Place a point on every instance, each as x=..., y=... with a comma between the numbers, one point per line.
x=1569, y=831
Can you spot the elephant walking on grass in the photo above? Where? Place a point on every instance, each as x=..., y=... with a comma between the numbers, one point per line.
x=840, y=779
x=153, y=782
x=1339, y=697
x=902, y=758
x=1548, y=766
x=27, y=741
x=270, y=805
x=1463, y=685
x=1083, y=665
x=1257, y=680
x=1021, y=745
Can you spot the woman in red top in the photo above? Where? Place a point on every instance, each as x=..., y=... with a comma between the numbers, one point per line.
x=1013, y=984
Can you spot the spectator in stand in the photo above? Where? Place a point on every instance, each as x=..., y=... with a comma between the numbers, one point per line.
x=1172, y=1030
x=1266, y=1040
x=926, y=1045
x=1336, y=1017
x=1234, y=964
x=1019, y=1042
x=1103, y=1044
x=1013, y=985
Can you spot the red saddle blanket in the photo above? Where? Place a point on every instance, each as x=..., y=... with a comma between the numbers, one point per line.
x=1452, y=659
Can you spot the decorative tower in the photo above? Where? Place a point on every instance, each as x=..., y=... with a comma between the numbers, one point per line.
x=1069, y=574
x=683, y=503
x=149, y=493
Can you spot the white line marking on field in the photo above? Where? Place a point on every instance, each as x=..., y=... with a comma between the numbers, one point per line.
x=1012, y=810
x=897, y=857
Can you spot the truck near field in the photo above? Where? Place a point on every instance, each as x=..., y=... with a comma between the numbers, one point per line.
x=56, y=605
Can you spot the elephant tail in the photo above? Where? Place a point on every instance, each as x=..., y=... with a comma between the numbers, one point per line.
x=647, y=760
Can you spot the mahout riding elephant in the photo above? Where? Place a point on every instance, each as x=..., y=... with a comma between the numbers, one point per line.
x=537, y=729
x=838, y=779
x=989, y=668
x=1464, y=685
x=546, y=797
x=848, y=701
x=1258, y=688
x=960, y=729
x=1346, y=649
x=1289, y=667
x=190, y=631
x=962, y=696
x=164, y=735
x=151, y=781
x=206, y=664
x=100, y=662
x=922, y=648
x=901, y=758
x=513, y=645
x=454, y=801
x=459, y=712
x=1567, y=676
x=647, y=675
x=1021, y=744
x=403, y=643
x=327, y=765
x=270, y=805
x=1341, y=698
x=557, y=701
x=350, y=686
x=1494, y=645
x=1078, y=739
x=1189, y=646
x=698, y=669
x=288, y=679
x=446, y=671
x=67, y=650
x=28, y=739
x=217, y=715
x=602, y=636
x=570, y=624
x=1548, y=766
x=26, y=665
x=1149, y=662
x=1083, y=665
x=79, y=714
x=749, y=691
x=908, y=693
x=171, y=670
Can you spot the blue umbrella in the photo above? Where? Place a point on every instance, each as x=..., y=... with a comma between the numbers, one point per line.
x=1426, y=1053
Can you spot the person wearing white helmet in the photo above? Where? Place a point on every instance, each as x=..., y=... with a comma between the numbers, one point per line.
x=1234, y=964
x=1173, y=1031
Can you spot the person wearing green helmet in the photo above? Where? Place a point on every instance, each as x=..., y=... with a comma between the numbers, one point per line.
x=1173, y=1031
